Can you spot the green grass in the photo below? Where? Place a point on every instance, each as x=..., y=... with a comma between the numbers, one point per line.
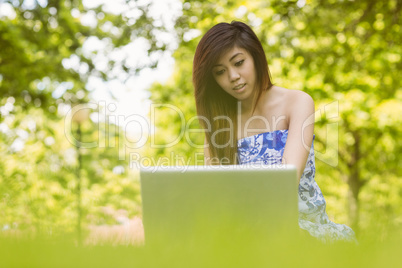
x=59, y=252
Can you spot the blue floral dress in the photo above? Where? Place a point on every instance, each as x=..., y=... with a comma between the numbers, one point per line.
x=267, y=149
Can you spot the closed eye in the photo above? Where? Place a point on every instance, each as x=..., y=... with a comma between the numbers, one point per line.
x=239, y=63
x=220, y=72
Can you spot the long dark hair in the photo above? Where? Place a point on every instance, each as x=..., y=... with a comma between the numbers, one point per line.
x=211, y=100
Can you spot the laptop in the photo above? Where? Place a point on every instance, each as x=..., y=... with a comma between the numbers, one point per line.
x=206, y=205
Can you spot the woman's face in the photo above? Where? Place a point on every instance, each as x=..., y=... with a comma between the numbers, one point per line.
x=235, y=73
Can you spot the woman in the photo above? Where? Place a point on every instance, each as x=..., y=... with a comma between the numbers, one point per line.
x=247, y=119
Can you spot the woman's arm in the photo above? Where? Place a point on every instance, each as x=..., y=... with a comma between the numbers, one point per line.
x=301, y=129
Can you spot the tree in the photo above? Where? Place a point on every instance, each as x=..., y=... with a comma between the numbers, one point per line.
x=353, y=59
x=49, y=50
x=42, y=58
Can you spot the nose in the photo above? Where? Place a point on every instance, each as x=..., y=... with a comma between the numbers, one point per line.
x=233, y=75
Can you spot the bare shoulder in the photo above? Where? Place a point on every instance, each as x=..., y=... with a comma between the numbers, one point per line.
x=297, y=99
x=291, y=94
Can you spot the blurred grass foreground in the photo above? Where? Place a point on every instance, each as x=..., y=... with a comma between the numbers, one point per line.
x=233, y=252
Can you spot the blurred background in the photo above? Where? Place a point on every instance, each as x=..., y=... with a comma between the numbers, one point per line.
x=125, y=66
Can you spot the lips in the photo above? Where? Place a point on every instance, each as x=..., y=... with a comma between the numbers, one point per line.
x=238, y=87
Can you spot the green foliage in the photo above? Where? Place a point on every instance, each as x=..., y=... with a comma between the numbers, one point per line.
x=44, y=71
x=39, y=181
x=38, y=41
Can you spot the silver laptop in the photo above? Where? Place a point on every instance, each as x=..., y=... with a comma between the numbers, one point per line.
x=197, y=205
